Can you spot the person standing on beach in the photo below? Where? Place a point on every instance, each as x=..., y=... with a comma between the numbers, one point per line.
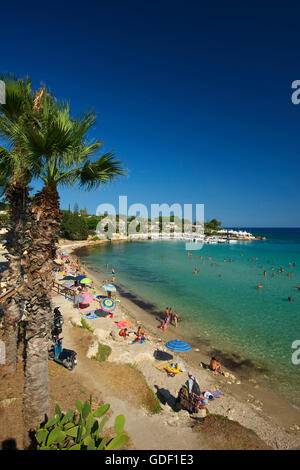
x=167, y=318
x=175, y=318
x=193, y=384
x=107, y=266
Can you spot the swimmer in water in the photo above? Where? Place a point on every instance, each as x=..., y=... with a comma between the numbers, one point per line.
x=260, y=286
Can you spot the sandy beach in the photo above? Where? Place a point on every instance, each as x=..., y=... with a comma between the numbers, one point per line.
x=245, y=401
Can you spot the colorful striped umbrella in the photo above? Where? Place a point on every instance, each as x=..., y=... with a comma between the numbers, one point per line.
x=178, y=345
x=108, y=305
x=109, y=287
x=88, y=297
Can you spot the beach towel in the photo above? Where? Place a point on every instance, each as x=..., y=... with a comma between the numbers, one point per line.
x=89, y=315
x=216, y=393
x=124, y=324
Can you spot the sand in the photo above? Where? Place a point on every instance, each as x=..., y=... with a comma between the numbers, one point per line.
x=274, y=421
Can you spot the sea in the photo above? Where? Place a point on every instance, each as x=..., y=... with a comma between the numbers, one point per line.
x=222, y=305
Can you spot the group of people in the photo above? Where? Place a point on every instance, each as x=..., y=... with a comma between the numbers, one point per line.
x=169, y=317
x=140, y=334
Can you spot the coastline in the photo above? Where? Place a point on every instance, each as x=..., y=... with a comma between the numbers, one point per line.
x=248, y=395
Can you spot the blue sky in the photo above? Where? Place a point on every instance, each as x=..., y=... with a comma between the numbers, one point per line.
x=194, y=98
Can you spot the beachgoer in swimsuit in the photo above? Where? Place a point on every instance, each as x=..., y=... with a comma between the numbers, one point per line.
x=124, y=333
x=175, y=318
x=216, y=366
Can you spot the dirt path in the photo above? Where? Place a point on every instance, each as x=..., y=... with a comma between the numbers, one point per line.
x=149, y=432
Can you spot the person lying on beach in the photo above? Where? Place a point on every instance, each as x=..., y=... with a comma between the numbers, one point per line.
x=216, y=366
x=123, y=332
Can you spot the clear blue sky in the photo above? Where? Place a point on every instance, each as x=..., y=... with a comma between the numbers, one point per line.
x=194, y=97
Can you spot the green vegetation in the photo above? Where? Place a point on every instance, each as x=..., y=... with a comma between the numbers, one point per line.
x=213, y=226
x=4, y=220
x=80, y=430
x=103, y=353
x=84, y=324
x=74, y=226
x=155, y=406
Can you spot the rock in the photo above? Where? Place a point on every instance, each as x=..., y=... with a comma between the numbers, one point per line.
x=93, y=349
x=102, y=334
x=75, y=320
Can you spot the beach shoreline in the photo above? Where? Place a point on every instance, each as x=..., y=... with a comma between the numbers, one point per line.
x=243, y=388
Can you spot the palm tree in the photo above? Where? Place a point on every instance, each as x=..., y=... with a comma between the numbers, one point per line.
x=14, y=179
x=60, y=153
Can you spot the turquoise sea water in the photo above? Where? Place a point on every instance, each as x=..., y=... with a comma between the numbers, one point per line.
x=222, y=302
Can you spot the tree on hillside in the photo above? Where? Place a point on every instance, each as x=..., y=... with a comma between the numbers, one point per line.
x=16, y=116
x=61, y=152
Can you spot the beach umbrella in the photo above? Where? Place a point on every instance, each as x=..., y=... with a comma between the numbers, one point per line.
x=87, y=297
x=79, y=277
x=178, y=345
x=108, y=305
x=63, y=253
x=68, y=278
x=86, y=280
x=57, y=261
x=79, y=299
x=68, y=284
x=109, y=287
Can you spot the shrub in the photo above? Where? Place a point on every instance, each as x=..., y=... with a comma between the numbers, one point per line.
x=102, y=353
x=85, y=325
x=80, y=430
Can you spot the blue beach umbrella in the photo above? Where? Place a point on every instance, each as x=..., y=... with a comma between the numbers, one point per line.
x=80, y=277
x=178, y=345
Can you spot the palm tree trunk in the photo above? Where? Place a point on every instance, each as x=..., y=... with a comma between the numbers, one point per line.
x=44, y=231
x=17, y=196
